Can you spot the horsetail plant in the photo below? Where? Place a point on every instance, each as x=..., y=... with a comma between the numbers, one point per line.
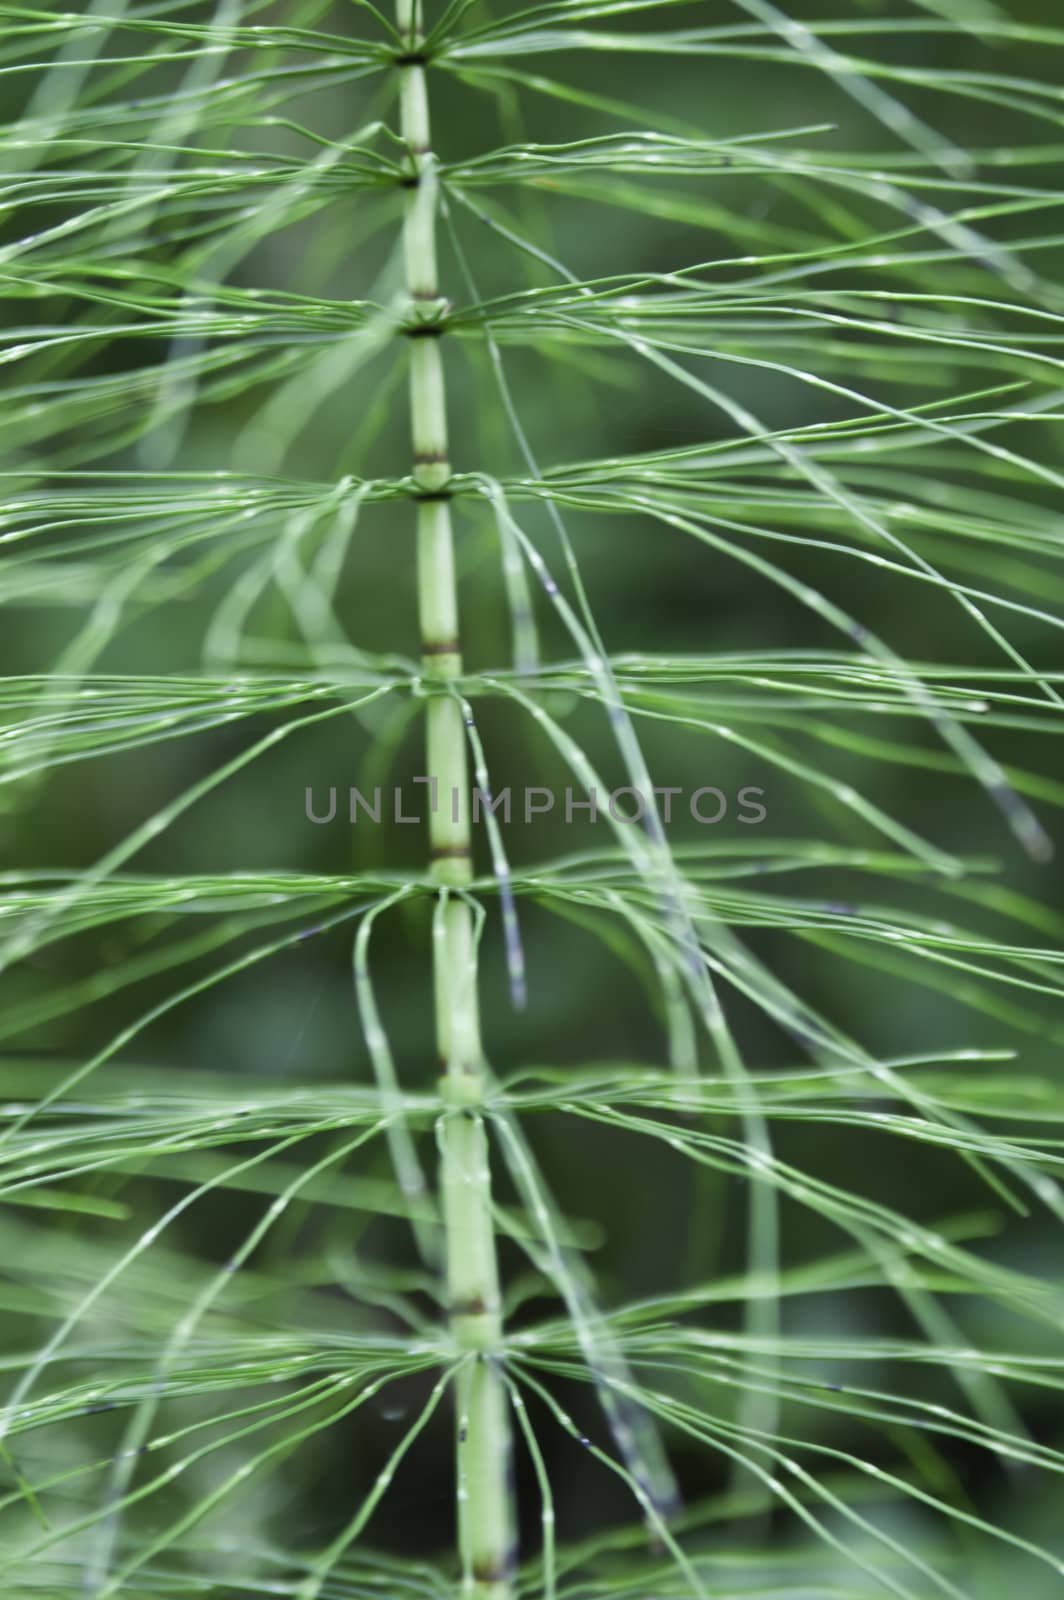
x=485, y=1531
x=738, y=1275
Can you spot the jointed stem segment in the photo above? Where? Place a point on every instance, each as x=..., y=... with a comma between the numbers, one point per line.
x=483, y=1443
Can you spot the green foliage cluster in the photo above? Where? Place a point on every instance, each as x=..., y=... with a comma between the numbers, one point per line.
x=767, y=292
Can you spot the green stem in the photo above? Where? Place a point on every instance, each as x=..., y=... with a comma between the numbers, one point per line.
x=483, y=1434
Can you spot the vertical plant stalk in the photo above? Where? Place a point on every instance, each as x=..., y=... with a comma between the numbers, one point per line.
x=483, y=1435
